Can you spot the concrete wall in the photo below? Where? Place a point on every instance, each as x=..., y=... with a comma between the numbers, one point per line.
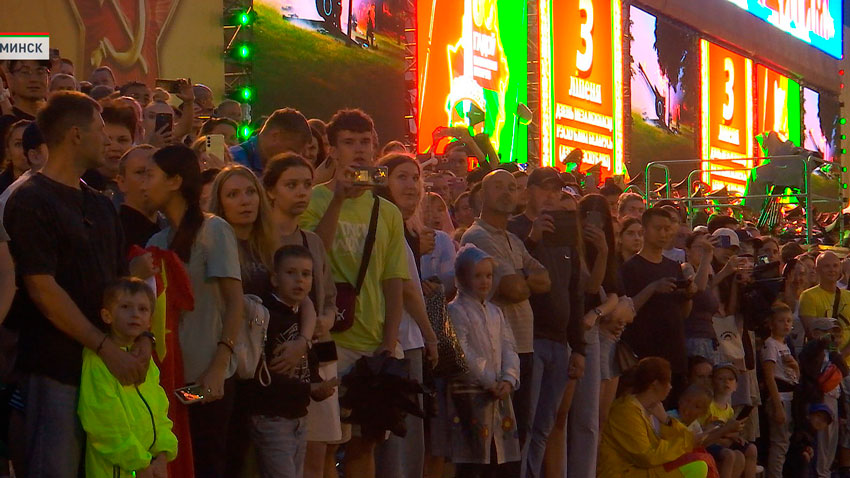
x=759, y=40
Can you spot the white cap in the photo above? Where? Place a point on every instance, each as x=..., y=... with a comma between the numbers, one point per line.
x=733, y=237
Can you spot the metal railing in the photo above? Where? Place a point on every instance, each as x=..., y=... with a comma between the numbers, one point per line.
x=690, y=199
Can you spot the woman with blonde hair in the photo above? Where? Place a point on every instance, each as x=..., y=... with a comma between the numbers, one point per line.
x=239, y=198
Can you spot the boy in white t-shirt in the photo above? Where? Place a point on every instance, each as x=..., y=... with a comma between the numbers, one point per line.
x=781, y=374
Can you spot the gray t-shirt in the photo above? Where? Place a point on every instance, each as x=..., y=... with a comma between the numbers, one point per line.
x=215, y=255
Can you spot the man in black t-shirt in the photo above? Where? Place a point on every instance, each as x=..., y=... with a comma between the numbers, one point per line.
x=67, y=245
x=661, y=297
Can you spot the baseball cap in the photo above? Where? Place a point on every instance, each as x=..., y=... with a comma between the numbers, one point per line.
x=31, y=137
x=825, y=324
x=727, y=366
x=821, y=407
x=541, y=176
x=734, y=241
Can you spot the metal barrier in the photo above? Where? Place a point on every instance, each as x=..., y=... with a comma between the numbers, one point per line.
x=690, y=199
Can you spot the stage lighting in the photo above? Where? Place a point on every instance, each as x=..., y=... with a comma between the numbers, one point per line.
x=245, y=132
x=243, y=94
x=243, y=51
x=243, y=17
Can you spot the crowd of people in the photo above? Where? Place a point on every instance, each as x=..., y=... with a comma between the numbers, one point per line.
x=175, y=309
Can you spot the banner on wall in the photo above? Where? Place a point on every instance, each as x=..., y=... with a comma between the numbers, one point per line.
x=319, y=56
x=581, y=83
x=138, y=39
x=777, y=105
x=472, y=66
x=664, y=94
x=727, y=116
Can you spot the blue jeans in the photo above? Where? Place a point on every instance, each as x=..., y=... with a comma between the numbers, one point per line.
x=281, y=444
x=549, y=380
x=583, y=429
x=524, y=402
x=54, y=435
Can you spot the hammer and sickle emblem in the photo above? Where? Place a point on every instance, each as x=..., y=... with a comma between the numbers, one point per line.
x=133, y=54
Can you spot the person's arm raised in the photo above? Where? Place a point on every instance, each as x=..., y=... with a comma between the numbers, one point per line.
x=184, y=124
x=58, y=307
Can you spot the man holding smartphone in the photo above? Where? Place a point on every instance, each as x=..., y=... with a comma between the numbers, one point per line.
x=653, y=281
x=558, y=330
x=340, y=213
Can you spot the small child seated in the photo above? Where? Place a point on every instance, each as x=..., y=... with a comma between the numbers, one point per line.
x=693, y=405
x=128, y=432
x=731, y=453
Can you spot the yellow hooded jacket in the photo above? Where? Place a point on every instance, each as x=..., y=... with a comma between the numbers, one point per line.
x=126, y=426
x=630, y=446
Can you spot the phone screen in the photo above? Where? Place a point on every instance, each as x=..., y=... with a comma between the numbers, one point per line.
x=163, y=122
x=594, y=218
x=745, y=412
x=189, y=394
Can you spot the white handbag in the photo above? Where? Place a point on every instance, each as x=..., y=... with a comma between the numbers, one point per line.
x=249, y=348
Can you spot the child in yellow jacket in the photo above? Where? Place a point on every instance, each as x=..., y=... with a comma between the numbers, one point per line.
x=128, y=432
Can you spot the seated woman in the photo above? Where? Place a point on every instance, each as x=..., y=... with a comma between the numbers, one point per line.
x=639, y=439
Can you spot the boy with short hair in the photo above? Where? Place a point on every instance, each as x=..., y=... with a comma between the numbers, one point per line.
x=781, y=375
x=128, y=432
x=278, y=408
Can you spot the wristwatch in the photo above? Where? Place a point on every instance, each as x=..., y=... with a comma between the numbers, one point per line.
x=150, y=335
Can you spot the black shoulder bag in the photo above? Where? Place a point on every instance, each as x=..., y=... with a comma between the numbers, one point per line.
x=346, y=294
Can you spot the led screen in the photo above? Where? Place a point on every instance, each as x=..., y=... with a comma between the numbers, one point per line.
x=322, y=55
x=820, y=123
x=664, y=94
x=816, y=22
x=727, y=116
x=581, y=82
x=777, y=105
x=472, y=65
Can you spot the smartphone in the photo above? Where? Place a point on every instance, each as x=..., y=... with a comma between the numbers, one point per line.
x=566, y=227
x=215, y=145
x=171, y=86
x=763, y=260
x=164, y=120
x=594, y=218
x=370, y=176
x=682, y=283
x=745, y=412
x=189, y=394
x=725, y=242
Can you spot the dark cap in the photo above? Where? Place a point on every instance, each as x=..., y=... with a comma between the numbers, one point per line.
x=32, y=137
x=541, y=176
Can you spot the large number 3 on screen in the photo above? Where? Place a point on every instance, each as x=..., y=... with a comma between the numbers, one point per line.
x=729, y=105
x=584, y=59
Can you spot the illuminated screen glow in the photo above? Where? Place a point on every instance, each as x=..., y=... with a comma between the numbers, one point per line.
x=816, y=22
x=727, y=116
x=820, y=123
x=778, y=105
x=472, y=63
x=664, y=94
x=581, y=82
